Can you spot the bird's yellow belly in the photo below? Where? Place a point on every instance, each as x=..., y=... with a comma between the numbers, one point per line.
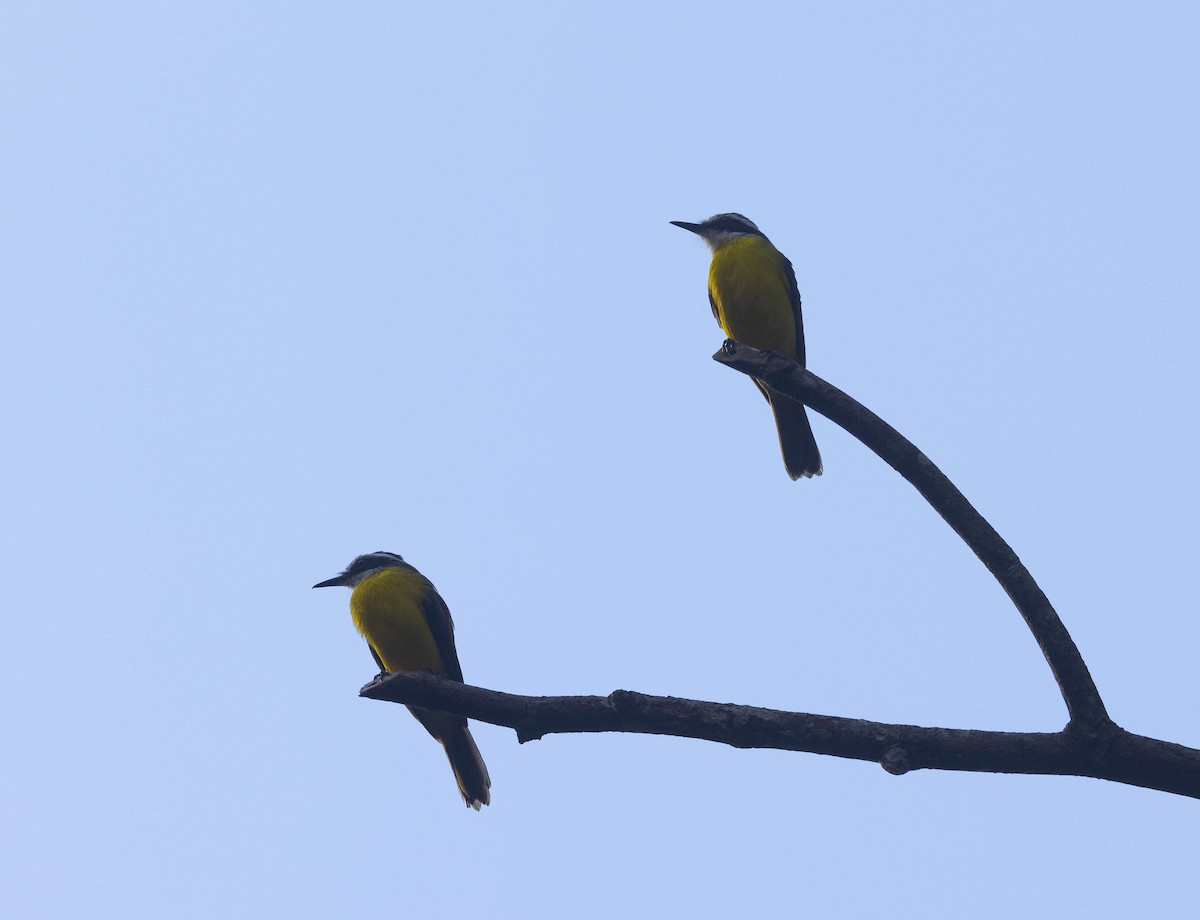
x=752, y=300
x=387, y=610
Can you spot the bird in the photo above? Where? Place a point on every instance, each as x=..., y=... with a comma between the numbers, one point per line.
x=753, y=294
x=408, y=627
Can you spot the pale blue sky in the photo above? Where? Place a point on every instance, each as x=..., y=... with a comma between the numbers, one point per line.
x=286, y=283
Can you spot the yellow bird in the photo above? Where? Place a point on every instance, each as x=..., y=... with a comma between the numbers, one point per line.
x=753, y=294
x=407, y=626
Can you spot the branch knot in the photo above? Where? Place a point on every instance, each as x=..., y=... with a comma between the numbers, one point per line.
x=895, y=760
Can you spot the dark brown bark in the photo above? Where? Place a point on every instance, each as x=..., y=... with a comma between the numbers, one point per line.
x=1112, y=754
x=1091, y=744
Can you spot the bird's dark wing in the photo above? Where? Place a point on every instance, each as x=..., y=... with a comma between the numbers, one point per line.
x=437, y=615
x=789, y=276
x=378, y=660
x=713, y=303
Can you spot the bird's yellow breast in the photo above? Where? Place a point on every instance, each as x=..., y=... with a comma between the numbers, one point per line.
x=750, y=293
x=388, y=610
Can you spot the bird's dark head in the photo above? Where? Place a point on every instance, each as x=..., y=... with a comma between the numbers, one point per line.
x=360, y=568
x=721, y=228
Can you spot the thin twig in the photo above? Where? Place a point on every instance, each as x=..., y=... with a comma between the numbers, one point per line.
x=1084, y=705
x=1117, y=755
x=1091, y=744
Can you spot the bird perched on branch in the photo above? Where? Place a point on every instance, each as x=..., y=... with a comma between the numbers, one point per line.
x=753, y=294
x=407, y=626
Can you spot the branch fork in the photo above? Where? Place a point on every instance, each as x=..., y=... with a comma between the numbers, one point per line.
x=1090, y=744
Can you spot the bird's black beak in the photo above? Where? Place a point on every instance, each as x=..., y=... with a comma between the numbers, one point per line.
x=695, y=228
x=332, y=582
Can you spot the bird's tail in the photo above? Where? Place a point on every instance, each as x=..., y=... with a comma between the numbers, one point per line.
x=800, y=454
x=468, y=766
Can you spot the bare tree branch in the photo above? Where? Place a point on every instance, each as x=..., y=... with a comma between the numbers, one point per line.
x=1091, y=744
x=1084, y=704
x=1114, y=754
